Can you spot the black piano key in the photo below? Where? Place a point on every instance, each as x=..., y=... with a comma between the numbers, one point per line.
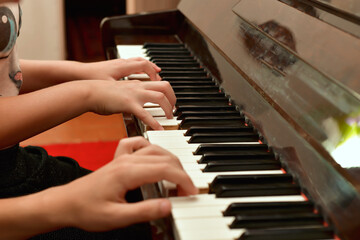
x=202, y=101
x=177, y=64
x=155, y=58
x=220, y=129
x=223, y=137
x=182, y=69
x=187, y=78
x=191, y=83
x=174, y=60
x=277, y=220
x=169, y=49
x=151, y=53
x=296, y=233
x=254, y=185
x=198, y=88
x=163, y=45
x=183, y=73
x=268, y=208
x=253, y=190
x=184, y=115
x=252, y=179
x=211, y=121
x=238, y=156
x=197, y=108
x=201, y=94
x=244, y=149
x=236, y=165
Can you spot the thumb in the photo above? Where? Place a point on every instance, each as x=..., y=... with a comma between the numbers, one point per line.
x=145, y=211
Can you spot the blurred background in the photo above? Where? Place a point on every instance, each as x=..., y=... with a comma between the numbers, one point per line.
x=69, y=29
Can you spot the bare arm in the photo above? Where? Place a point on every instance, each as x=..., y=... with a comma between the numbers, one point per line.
x=29, y=114
x=42, y=74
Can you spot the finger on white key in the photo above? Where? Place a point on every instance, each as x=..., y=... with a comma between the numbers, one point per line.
x=151, y=105
x=139, y=76
x=170, y=190
x=167, y=124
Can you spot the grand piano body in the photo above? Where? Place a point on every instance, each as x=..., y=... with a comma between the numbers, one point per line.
x=291, y=67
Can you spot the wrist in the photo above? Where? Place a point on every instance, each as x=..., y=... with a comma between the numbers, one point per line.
x=26, y=216
x=55, y=208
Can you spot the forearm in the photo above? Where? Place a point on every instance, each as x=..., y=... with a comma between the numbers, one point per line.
x=42, y=74
x=29, y=114
x=23, y=217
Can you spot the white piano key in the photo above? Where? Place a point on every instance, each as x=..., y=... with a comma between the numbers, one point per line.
x=131, y=51
x=196, y=224
x=166, y=133
x=210, y=176
x=174, y=138
x=179, y=152
x=189, y=167
x=156, y=112
x=173, y=144
x=221, y=232
x=151, y=105
x=198, y=212
x=203, y=200
x=138, y=76
x=167, y=122
x=193, y=159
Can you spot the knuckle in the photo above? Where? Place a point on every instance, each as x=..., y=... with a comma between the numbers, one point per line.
x=141, y=113
x=135, y=82
x=125, y=142
x=156, y=149
x=160, y=96
x=163, y=167
x=139, y=138
x=166, y=84
x=143, y=63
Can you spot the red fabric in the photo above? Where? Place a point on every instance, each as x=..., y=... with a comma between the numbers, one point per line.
x=90, y=155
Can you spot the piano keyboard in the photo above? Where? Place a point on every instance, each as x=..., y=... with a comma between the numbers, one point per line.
x=244, y=191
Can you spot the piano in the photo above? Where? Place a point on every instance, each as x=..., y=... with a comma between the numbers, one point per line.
x=267, y=118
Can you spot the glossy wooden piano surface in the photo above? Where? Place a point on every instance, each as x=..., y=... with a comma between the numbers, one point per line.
x=292, y=71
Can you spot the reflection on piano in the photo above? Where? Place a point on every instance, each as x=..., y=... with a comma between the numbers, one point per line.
x=267, y=93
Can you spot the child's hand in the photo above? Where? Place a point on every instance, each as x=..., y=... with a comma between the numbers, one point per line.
x=97, y=202
x=119, y=68
x=108, y=97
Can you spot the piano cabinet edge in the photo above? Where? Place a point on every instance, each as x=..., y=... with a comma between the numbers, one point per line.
x=139, y=28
